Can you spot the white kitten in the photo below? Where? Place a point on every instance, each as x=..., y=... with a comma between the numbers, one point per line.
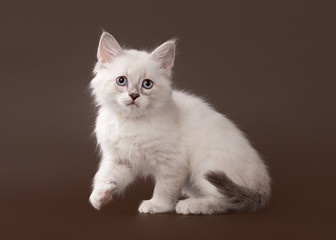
x=144, y=127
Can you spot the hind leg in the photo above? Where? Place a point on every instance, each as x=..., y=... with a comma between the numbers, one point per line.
x=203, y=205
x=189, y=191
x=203, y=199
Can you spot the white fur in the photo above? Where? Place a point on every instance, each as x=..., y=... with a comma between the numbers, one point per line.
x=171, y=135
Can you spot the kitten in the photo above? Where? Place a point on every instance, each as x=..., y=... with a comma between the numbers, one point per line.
x=144, y=127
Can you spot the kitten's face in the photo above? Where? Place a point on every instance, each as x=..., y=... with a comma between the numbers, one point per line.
x=132, y=82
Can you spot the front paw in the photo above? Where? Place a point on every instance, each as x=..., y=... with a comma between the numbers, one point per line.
x=102, y=194
x=151, y=206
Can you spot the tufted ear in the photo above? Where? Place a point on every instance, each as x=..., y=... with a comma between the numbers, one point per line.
x=108, y=48
x=165, y=55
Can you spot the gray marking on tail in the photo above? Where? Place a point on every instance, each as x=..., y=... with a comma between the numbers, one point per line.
x=239, y=197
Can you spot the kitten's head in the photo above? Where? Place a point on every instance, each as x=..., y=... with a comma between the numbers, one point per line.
x=132, y=82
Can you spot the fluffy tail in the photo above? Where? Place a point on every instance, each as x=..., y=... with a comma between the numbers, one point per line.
x=239, y=197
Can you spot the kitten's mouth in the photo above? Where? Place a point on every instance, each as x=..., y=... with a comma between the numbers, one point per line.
x=132, y=104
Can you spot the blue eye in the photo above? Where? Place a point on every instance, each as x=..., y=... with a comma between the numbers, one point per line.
x=121, y=81
x=148, y=84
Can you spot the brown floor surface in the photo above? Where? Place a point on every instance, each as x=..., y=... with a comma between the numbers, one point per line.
x=268, y=65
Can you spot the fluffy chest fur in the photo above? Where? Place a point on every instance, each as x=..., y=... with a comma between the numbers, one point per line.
x=143, y=144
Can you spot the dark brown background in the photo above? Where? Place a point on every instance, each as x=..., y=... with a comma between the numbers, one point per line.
x=268, y=65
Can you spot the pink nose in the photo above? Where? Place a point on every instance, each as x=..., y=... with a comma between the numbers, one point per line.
x=134, y=95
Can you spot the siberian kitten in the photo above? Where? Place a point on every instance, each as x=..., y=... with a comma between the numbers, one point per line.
x=145, y=127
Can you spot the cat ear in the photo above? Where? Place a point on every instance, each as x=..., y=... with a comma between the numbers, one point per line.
x=108, y=48
x=165, y=55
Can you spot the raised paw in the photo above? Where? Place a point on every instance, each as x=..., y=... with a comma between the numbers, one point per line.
x=151, y=206
x=102, y=194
